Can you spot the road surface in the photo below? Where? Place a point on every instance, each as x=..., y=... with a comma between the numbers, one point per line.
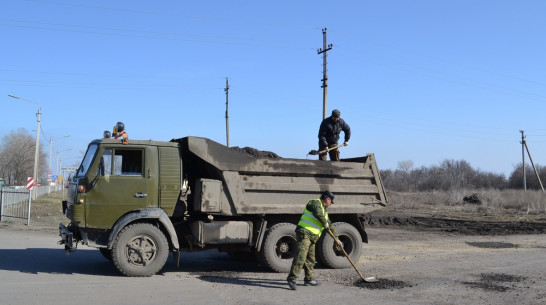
x=415, y=267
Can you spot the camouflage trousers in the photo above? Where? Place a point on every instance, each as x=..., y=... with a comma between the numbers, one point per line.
x=304, y=256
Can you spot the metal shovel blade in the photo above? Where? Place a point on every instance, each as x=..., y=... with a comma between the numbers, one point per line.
x=370, y=279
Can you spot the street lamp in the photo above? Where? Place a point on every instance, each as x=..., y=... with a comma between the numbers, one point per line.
x=37, y=151
x=50, y=150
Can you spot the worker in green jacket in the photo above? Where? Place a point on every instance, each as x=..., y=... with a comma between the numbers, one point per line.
x=312, y=222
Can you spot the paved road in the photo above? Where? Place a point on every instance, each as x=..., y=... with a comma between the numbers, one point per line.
x=415, y=268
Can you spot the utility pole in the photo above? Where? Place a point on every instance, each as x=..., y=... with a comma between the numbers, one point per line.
x=37, y=149
x=325, y=48
x=523, y=159
x=227, y=116
x=525, y=147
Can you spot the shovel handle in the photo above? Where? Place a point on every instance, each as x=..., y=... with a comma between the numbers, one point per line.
x=330, y=148
x=314, y=152
x=345, y=253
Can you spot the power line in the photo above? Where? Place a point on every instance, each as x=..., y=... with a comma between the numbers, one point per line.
x=239, y=21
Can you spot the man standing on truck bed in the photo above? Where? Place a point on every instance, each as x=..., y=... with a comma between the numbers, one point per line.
x=328, y=135
x=313, y=220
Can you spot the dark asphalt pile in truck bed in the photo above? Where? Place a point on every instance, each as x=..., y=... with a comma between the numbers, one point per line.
x=254, y=153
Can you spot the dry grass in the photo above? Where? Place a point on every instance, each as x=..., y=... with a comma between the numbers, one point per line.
x=492, y=201
x=45, y=213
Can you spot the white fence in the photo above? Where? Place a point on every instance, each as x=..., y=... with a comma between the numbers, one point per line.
x=16, y=202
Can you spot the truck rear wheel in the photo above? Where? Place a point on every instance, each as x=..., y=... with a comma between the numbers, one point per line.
x=140, y=249
x=278, y=247
x=352, y=243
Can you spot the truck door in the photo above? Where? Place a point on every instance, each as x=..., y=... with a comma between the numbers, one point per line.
x=121, y=186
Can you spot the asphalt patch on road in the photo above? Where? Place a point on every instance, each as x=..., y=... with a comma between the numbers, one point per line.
x=492, y=245
x=382, y=284
x=495, y=282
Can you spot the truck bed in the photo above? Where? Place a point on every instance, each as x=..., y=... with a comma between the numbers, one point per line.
x=280, y=186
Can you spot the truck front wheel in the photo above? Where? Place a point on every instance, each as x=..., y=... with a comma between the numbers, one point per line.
x=140, y=249
x=278, y=247
x=351, y=241
x=107, y=253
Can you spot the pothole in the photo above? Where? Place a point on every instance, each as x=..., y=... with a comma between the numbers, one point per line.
x=491, y=281
x=492, y=245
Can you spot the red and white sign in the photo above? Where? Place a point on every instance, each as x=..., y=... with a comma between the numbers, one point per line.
x=30, y=183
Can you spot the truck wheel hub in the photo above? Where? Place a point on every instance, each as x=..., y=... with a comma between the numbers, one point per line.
x=140, y=250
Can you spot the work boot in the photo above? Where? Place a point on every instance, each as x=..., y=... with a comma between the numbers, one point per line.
x=292, y=285
x=311, y=283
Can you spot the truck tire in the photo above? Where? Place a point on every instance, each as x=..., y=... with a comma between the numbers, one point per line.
x=278, y=247
x=352, y=243
x=140, y=249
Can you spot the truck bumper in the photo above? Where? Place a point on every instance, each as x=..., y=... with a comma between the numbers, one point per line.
x=67, y=238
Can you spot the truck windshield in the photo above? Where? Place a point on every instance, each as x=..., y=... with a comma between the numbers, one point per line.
x=86, y=163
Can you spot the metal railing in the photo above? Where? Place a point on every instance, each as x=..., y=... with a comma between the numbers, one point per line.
x=16, y=202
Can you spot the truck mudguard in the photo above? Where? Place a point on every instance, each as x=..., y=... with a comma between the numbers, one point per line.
x=147, y=213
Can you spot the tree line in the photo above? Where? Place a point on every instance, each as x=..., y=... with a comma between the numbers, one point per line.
x=457, y=174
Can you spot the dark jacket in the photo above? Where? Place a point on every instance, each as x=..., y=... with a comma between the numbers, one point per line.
x=329, y=132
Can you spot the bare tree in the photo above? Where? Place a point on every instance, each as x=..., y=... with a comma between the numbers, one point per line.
x=447, y=176
x=17, y=157
x=405, y=165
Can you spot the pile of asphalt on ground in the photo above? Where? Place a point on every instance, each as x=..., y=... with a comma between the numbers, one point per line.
x=382, y=284
x=255, y=153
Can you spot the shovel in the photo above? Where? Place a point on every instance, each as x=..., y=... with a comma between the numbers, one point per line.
x=370, y=279
x=316, y=152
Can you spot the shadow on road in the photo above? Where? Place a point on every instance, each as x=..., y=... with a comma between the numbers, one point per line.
x=91, y=262
x=280, y=284
x=41, y=260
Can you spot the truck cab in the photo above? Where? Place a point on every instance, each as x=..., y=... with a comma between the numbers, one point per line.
x=115, y=180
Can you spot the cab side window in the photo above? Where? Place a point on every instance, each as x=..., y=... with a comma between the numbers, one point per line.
x=123, y=162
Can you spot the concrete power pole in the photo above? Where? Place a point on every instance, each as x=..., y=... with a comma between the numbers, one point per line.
x=227, y=116
x=525, y=147
x=523, y=159
x=325, y=48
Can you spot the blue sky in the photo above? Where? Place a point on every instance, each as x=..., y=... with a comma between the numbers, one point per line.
x=423, y=80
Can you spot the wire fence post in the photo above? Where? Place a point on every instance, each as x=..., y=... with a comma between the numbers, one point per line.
x=29, y=202
x=1, y=203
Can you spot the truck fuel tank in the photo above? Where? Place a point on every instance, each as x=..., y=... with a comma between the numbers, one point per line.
x=221, y=232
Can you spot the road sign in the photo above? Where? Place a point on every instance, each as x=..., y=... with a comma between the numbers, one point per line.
x=30, y=183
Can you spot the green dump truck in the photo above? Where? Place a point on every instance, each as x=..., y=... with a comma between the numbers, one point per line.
x=137, y=202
